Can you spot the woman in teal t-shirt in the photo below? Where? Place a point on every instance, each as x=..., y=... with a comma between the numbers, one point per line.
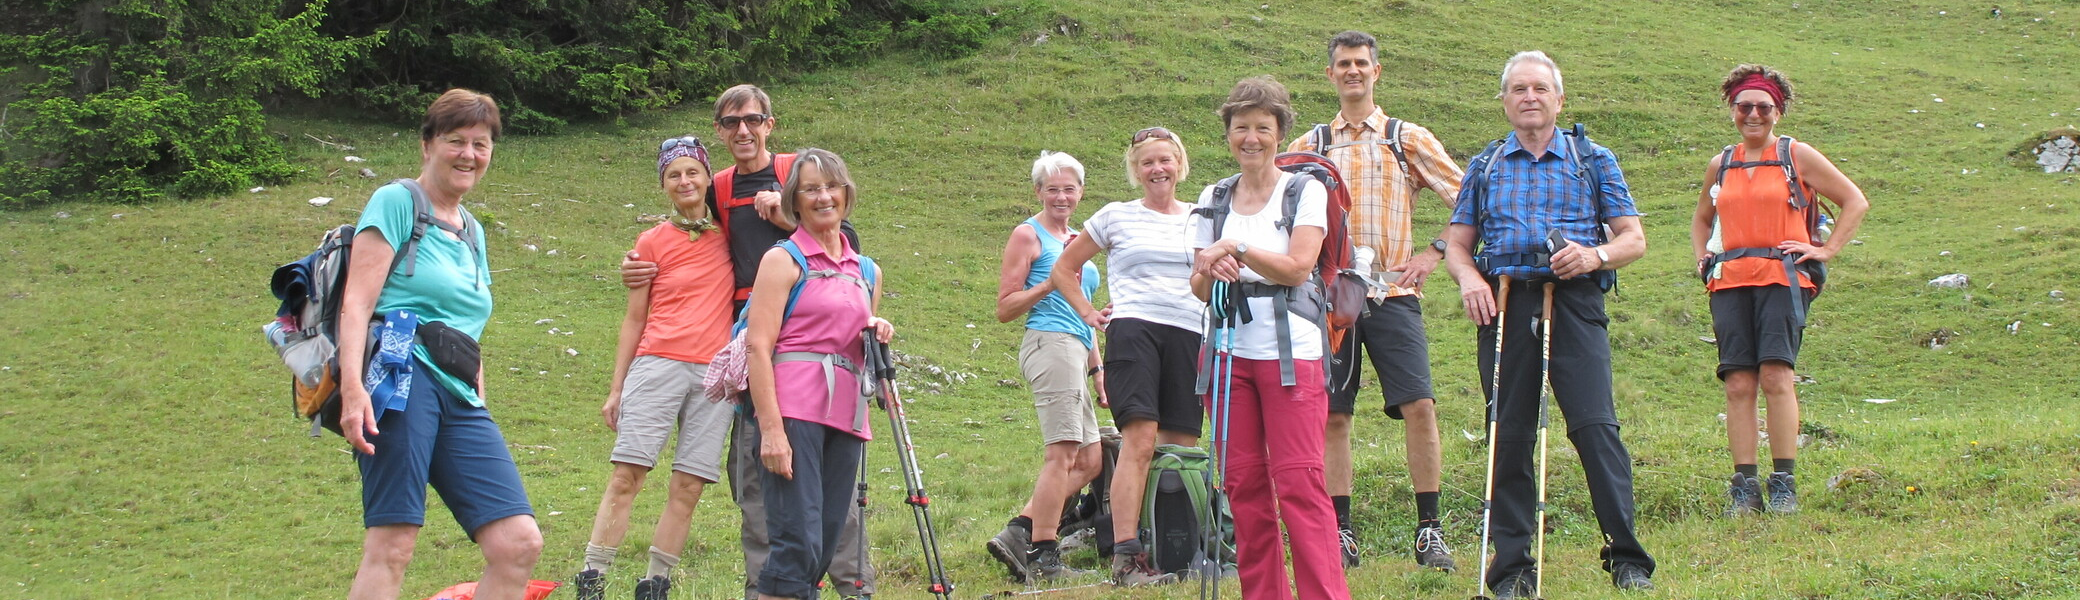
x=413, y=423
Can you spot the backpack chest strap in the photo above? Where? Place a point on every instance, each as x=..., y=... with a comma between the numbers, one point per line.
x=831, y=363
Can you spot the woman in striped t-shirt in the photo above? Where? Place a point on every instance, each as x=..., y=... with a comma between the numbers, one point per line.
x=1152, y=328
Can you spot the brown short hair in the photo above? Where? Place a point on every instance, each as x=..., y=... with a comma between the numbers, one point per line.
x=831, y=167
x=1259, y=93
x=740, y=95
x=458, y=108
x=1743, y=72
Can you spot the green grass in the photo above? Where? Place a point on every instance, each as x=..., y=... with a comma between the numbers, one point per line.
x=150, y=452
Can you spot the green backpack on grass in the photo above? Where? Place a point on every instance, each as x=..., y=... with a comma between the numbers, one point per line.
x=1179, y=510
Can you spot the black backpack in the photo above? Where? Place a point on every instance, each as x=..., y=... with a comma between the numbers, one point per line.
x=305, y=332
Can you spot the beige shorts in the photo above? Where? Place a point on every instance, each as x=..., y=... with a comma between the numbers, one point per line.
x=658, y=394
x=1055, y=366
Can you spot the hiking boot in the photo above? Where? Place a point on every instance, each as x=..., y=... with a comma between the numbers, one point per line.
x=1133, y=570
x=1517, y=586
x=1628, y=576
x=1349, y=540
x=1010, y=547
x=1745, y=495
x=653, y=588
x=1431, y=551
x=1783, y=493
x=1046, y=565
x=590, y=585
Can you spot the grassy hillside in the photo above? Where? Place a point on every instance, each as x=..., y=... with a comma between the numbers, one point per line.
x=150, y=452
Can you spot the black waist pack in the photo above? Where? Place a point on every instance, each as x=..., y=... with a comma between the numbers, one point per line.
x=453, y=351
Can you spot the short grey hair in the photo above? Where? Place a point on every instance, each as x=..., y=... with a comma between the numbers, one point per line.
x=1534, y=57
x=1053, y=163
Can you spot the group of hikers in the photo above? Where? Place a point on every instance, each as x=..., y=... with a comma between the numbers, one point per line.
x=1540, y=222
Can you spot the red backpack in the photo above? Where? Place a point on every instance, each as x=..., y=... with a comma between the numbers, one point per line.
x=1334, y=297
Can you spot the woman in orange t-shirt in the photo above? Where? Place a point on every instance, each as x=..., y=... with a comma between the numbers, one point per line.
x=672, y=330
x=1760, y=322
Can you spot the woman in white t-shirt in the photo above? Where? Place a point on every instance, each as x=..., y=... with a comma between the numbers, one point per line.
x=1273, y=430
x=1151, y=329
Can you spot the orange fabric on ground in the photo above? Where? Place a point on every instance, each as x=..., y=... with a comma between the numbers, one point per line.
x=1755, y=212
x=690, y=298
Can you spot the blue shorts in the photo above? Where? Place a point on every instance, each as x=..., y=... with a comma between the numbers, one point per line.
x=441, y=440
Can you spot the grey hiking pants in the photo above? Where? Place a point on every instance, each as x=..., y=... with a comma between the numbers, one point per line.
x=850, y=574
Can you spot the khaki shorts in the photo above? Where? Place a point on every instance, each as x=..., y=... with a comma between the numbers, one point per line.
x=659, y=393
x=1055, y=365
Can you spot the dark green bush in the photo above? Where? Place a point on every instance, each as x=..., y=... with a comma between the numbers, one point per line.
x=135, y=99
x=138, y=99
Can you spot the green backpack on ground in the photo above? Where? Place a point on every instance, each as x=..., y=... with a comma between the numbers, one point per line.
x=1179, y=510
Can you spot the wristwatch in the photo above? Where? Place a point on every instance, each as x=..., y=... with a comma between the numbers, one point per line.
x=1438, y=244
x=1601, y=257
x=1241, y=249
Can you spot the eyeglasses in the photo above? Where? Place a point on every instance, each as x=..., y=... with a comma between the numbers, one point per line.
x=815, y=190
x=1750, y=108
x=1153, y=133
x=680, y=141
x=753, y=119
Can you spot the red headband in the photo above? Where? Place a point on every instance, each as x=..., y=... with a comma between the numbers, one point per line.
x=1757, y=81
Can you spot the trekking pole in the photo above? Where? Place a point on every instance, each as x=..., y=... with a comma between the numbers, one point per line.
x=1221, y=317
x=882, y=366
x=1545, y=375
x=1494, y=398
x=860, y=586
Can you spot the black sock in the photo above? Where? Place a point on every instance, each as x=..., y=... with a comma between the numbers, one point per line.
x=1426, y=509
x=1748, y=470
x=1022, y=522
x=1783, y=465
x=1039, y=547
x=1343, y=511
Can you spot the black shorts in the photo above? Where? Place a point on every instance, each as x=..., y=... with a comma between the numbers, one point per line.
x=1391, y=333
x=1756, y=324
x=1149, y=372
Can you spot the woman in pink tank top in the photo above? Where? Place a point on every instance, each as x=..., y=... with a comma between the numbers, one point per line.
x=806, y=365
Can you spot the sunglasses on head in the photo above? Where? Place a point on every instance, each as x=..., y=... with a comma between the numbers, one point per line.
x=1153, y=133
x=753, y=119
x=1750, y=108
x=680, y=141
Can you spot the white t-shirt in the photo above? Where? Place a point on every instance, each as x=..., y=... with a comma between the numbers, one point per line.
x=1258, y=339
x=1148, y=263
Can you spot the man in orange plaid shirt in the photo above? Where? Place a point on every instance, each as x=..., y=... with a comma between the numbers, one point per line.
x=1386, y=162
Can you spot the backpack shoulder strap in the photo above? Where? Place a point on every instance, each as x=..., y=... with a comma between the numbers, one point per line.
x=1400, y=155
x=1296, y=185
x=1798, y=191
x=1719, y=176
x=1584, y=149
x=1478, y=170
x=422, y=214
x=800, y=262
x=1216, y=209
x=782, y=164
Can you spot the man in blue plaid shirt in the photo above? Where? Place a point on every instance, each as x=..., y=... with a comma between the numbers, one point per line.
x=1538, y=183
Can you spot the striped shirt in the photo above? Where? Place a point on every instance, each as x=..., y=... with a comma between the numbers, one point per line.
x=1529, y=195
x=1382, y=198
x=1148, y=263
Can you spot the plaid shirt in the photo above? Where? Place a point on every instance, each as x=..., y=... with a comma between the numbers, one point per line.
x=1530, y=195
x=1382, y=199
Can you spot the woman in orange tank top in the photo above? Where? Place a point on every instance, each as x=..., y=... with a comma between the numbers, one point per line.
x=1748, y=221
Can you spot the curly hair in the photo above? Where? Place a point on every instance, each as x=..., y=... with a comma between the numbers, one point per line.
x=1743, y=72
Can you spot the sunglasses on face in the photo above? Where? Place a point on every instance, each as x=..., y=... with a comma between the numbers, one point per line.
x=1152, y=133
x=1751, y=108
x=732, y=121
x=680, y=141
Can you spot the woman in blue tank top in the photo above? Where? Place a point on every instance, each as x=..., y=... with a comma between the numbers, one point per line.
x=1058, y=352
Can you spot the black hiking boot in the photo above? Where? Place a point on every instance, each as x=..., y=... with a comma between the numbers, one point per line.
x=1744, y=495
x=1431, y=551
x=653, y=588
x=590, y=584
x=1349, y=540
x=1045, y=564
x=1133, y=570
x=1011, y=546
x=1783, y=493
x=1628, y=576
x=1517, y=586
